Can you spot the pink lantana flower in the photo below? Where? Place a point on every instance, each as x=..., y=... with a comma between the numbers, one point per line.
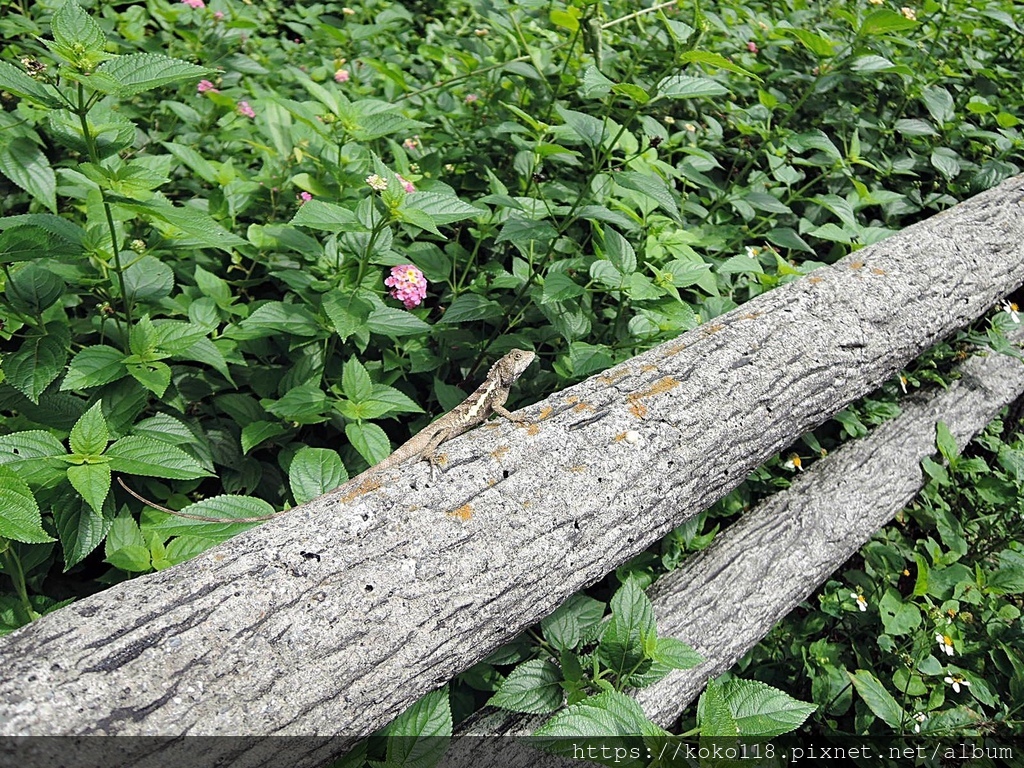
x=245, y=110
x=406, y=184
x=304, y=197
x=218, y=15
x=471, y=98
x=342, y=76
x=206, y=85
x=752, y=46
x=194, y=3
x=407, y=284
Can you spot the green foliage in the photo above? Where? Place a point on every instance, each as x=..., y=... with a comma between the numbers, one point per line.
x=201, y=207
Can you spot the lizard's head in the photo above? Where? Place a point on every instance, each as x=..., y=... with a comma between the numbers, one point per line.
x=514, y=363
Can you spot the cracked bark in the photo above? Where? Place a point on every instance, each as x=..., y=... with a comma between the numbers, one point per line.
x=418, y=580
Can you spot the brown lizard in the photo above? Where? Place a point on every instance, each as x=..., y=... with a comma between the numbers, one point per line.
x=489, y=398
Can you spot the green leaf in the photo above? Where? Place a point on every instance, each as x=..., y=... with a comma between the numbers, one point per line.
x=946, y=162
x=469, y=307
x=355, y=381
x=690, y=87
x=622, y=645
x=418, y=738
x=565, y=18
x=442, y=209
x=945, y=442
x=148, y=279
x=879, y=700
x=369, y=440
x=633, y=92
x=73, y=27
x=138, y=455
x=315, y=471
x=709, y=59
x=111, y=131
x=883, y=21
x=89, y=436
x=276, y=317
x=558, y=286
x=346, y=311
x=92, y=481
x=225, y=506
x=326, y=217
x=93, y=367
x=939, y=103
x=676, y=654
x=304, y=404
x=16, y=82
x=200, y=227
x=154, y=376
x=714, y=717
x=24, y=163
x=38, y=361
x=653, y=186
x=125, y=546
x=390, y=321
x=587, y=127
x=761, y=711
x=608, y=720
x=258, y=432
x=34, y=288
x=817, y=44
x=138, y=72
x=20, y=519
x=562, y=628
x=81, y=529
x=533, y=687
x=31, y=455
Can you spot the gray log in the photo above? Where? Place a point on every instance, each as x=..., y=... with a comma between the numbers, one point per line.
x=723, y=600
x=418, y=580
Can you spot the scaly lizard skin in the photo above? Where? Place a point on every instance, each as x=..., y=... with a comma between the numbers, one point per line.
x=489, y=398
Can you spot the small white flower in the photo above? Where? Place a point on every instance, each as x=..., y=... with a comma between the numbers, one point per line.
x=903, y=383
x=862, y=601
x=945, y=644
x=920, y=717
x=1012, y=310
x=793, y=462
x=956, y=681
x=376, y=182
x=752, y=252
x=632, y=437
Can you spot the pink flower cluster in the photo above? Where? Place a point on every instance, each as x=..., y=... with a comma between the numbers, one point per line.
x=406, y=184
x=206, y=85
x=342, y=76
x=407, y=284
x=245, y=110
x=197, y=4
x=304, y=197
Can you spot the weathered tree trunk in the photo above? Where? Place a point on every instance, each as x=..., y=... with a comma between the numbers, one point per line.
x=335, y=617
x=723, y=600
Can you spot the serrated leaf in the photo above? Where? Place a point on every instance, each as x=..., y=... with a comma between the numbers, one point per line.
x=884, y=20
x=355, y=381
x=20, y=519
x=138, y=72
x=621, y=646
x=92, y=481
x=714, y=717
x=690, y=87
x=93, y=367
x=390, y=321
x=315, y=471
x=34, y=288
x=346, y=311
x=878, y=699
x=717, y=61
x=71, y=27
x=945, y=442
x=589, y=128
x=817, y=44
x=80, y=527
x=154, y=376
x=38, y=361
x=304, y=404
x=16, y=82
x=111, y=131
x=654, y=187
x=199, y=226
x=89, y=436
x=148, y=279
x=469, y=307
x=24, y=163
x=676, y=654
x=369, y=440
x=442, y=209
x=327, y=217
x=258, y=432
x=138, y=455
x=763, y=712
x=276, y=317
x=229, y=507
x=418, y=738
x=532, y=687
x=30, y=455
